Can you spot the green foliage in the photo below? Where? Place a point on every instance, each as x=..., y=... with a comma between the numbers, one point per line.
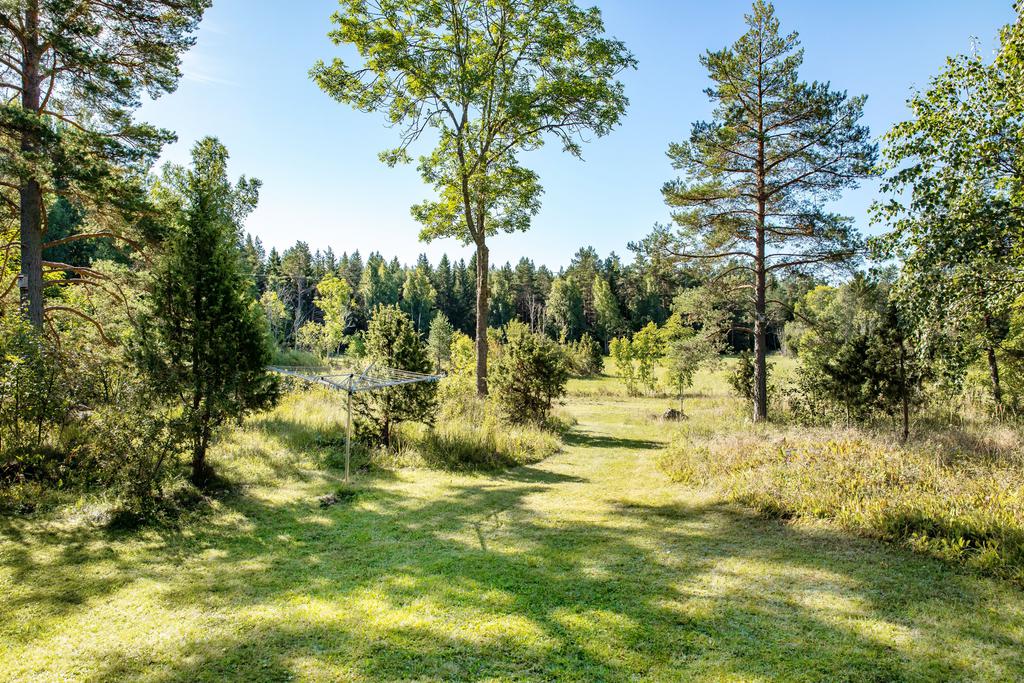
x=528, y=374
x=686, y=350
x=584, y=356
x=692, y=337
x=565, y=308
x=608, y=321
x=392, y=342
x=635, y=358
x=277, y=315
x=134, y=444
x=378, y=285
x=204, y=341
x=418, y=297
x=439, y=341
x=77, y=75
x=312, y=338
x=539, y=68
x=954, y=210
x=647, y=347
x=334, y=298
x=33, y=393
x=622, y=353
x=741, y=379
x=862, y=358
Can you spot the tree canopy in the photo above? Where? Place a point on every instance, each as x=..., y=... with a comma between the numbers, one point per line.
x=493, y=78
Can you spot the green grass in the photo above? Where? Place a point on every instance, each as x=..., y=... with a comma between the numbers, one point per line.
x=590, y=565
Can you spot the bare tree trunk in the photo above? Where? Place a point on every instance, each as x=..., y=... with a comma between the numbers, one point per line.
x=482, y=309
x=904, y=392
x=297, y=320
x=30, y=192
x=993, y=373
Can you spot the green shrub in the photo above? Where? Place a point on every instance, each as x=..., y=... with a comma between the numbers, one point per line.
x=34, y=393
x=471, y=434
x=635, y=358
x=135, y=445
x=392, y=342
x=741, y=379
x=622, y=354
x=584, y=356
x=528, y=375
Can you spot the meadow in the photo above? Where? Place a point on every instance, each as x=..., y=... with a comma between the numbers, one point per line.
x=591, y=564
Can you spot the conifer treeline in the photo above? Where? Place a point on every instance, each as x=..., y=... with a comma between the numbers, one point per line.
x=602, y=297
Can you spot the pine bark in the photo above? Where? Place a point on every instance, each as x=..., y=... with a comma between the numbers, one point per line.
x=760, y=274
x=30, y=191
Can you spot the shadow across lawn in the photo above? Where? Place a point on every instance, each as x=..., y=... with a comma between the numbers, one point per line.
x=476, y=585
x=499, y=577
x=588, y=439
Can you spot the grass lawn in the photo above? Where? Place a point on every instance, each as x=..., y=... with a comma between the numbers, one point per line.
x=587, y=566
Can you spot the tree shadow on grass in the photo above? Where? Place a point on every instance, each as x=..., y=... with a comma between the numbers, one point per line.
x=585, y=439
x=474, y=577
x=477, y=583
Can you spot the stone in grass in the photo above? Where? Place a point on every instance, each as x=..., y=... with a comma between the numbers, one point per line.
x=342, y=495
x=673, y=415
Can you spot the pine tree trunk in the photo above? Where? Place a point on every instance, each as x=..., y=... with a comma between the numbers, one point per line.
x=760, y=271
x=760, y=336
x=30, y=192
x=482, y=309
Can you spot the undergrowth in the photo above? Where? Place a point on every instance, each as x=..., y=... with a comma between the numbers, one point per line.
x=309, y=427
x=965, y=506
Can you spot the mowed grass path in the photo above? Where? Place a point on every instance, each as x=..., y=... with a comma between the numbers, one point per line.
x=587, y=566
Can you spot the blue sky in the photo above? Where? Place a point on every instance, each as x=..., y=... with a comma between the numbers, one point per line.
x=246, y=82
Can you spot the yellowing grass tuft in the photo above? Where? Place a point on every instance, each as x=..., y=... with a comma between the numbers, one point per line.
x=966, y=509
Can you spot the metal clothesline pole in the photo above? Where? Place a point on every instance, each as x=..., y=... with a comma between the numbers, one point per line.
x=348, y=433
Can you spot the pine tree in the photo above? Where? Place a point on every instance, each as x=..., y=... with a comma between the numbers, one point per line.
x=759, y=174
x=76, y=72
